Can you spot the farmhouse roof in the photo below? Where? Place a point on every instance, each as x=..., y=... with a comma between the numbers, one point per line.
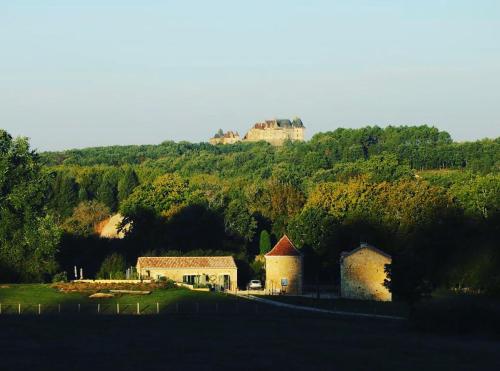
x=345, y=254
x=284, y=247
x=186, y=262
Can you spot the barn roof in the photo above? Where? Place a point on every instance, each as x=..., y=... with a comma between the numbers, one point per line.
x=344, y=254
x=284, y=247
x=186, y=262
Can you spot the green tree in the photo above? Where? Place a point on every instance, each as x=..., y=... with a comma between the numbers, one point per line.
x=85, y=218
x=480, y=196
x=64, y=194
x=238, y=221
x=164, y=196
x=264, y=242
x=29, y=237
x=113, y=267
x=107, y=191
x=126, y=184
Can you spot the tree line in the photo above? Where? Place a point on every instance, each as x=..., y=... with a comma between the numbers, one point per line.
x=411, y=191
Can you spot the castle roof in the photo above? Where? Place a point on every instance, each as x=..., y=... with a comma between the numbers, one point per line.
x=284, y=247
x=186, y=262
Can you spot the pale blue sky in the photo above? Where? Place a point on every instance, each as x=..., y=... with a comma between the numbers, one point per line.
x=98, y=72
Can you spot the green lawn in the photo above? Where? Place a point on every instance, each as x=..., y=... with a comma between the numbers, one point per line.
x=51, y=300
x=346, y=305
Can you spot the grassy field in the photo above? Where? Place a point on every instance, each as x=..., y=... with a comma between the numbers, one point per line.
x=346, y=305
x=217, y=331
x=52, y=300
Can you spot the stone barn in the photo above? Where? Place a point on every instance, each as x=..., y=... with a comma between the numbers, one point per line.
x=284, y=268
x=219, y=271
x=362, y=274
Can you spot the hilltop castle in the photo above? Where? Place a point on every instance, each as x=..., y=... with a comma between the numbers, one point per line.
x=275, y=131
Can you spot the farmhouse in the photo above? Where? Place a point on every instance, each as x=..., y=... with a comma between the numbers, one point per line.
x=362, y=274
x=284, y=268
x=218, y=271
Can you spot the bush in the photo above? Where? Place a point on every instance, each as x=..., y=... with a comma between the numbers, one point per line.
x=167, y=283
x=60, y=277
x=113, y=267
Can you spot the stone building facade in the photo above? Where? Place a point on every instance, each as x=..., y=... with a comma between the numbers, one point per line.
x=219, y=271
x=275, y=131
x=284, y=268
x=362, y=274
x=229, y=137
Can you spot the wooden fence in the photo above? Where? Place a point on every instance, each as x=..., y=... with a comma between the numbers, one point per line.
x=137, y=308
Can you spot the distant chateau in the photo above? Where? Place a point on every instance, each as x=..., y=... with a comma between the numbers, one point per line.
x=275, y=131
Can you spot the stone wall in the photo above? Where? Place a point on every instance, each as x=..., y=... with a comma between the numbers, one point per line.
x=279, y=267
x=362, y=276
x=276, y=136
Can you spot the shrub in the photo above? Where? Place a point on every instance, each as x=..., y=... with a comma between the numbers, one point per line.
x=167, y=283
x=60, y=277
x=113, y=267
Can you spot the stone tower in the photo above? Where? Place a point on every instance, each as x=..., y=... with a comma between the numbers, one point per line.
x=284, y=268
x=362, y=274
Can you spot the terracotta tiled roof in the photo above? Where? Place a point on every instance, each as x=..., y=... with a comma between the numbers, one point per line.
x=284, y=247
x=186, y=262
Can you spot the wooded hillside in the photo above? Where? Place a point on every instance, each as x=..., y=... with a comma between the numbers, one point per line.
x=432, y=203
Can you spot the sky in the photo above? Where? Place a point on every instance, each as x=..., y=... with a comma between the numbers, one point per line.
x=86, y=73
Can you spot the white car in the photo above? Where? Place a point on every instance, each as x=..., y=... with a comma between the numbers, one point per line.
x=255, y=285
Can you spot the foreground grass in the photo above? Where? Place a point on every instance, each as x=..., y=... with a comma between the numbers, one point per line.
x=346, y=305
x=295, y=341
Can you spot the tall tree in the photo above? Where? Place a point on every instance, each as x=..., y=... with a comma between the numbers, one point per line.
x=107, y=191
x=64, y=194
x=264, y=242
x=28, y=236
x=126, y=184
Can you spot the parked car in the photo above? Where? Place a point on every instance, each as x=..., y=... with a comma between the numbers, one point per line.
x=255, y=285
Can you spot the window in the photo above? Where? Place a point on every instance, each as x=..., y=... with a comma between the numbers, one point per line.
x=284, y=282
x=190, y=279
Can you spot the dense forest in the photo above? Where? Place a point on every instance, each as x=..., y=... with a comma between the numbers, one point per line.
x=430, y=202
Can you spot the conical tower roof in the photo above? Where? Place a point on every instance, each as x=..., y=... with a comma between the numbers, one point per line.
x=284, y=247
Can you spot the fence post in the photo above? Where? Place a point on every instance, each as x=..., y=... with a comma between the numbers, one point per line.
x=138, y=309
x=59, y=308
x=78, y=307
x=19, y=308
x=39, y=309
x=98, y=308
x=117, y=308
x=157, y=308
